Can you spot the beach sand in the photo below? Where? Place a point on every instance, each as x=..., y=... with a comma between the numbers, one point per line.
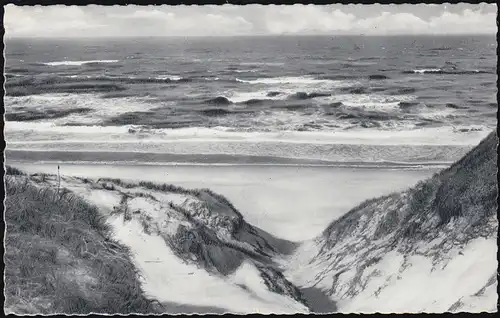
x=291, y=202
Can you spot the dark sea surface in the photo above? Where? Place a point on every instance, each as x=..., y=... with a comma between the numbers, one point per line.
x=340, y=99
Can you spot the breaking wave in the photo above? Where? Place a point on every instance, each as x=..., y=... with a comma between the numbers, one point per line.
x=444, y=71
x=78, y=63
x=288, y=80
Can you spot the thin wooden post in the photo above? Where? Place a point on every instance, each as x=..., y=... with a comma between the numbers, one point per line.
x=58, y=179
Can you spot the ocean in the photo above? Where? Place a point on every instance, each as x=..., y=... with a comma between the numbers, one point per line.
x=398, y=100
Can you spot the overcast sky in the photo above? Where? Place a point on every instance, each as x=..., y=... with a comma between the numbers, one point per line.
x=88, y=21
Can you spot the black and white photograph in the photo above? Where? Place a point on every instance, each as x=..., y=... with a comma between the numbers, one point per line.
x=240, y=159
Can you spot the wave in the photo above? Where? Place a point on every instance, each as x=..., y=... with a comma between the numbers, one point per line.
x=355, y=90
x=304, y=95
x=441, y=49
x=369, y=101
x=18, y=70
x=130, y=79
x=378, y=77
x=444, y=71
x=82, y=108
x=256, y=101
x=409, y=105
x=244, y=71
x=213, y=112
x=31, y=85
x=437, y=136
x=78, y=63
x=260, y=97
x=34, y=114
x=12, y=75
x=209, y=147
x=169, y=77
x=219, y=100
x=76, y=88
x=308, y=80
x=43, y=127
x=262, y=63
x=455, y=106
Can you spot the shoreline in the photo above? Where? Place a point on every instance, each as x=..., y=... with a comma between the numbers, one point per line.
x=169, y=159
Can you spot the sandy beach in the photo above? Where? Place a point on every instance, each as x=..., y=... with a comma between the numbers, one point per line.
x=292, y=202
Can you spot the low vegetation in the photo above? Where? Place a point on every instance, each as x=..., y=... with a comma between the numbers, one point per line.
x=467, y=190
x=59, y=257
x=13, y=171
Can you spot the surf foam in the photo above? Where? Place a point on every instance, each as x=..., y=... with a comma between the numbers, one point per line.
x=78, y=63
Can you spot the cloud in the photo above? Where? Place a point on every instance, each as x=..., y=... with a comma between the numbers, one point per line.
x=315, y=19
x=48, y=21
x=306, y=19
x=469, y=21
x=76, y=21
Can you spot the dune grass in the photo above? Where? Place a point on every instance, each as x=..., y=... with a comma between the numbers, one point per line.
x=468, y=189
x=59, y=257
x=13, y=171
x=164, y=187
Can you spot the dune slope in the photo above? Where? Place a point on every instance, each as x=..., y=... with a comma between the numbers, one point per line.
x=192, y=248
x=432, y=248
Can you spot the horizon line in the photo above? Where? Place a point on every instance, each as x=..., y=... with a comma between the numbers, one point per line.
x=249, y=35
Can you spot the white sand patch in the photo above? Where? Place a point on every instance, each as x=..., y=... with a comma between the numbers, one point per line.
x=178, y=199
x=146, y=206
x=165, y=219
x=249, y=276
x=104, y=199
x=486, y=301
x=298, y=265
x=175, y=198
x=167, y=278
x=420, y=287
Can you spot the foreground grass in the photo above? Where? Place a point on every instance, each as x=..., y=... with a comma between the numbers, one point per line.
x=59, y=258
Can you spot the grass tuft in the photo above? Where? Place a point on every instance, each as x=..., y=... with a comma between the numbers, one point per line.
x=59, y=257
x=12, y=171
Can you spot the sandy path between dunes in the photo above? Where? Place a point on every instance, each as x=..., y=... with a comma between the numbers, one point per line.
x=291, y=202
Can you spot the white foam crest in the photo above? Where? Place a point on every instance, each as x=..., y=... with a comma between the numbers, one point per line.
x=101, y=108
x=47, y=127
x=308, y=80
x=245, y=71
x=239, y=97
x=169, y=77
x=161, y=77
x=13, y=75
x=427, y=70
x=291, y=121
x=262, y=63
x=354, y=136
x=421, y=136
x=437, y=114
x=78, y=63
x=369, y=101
